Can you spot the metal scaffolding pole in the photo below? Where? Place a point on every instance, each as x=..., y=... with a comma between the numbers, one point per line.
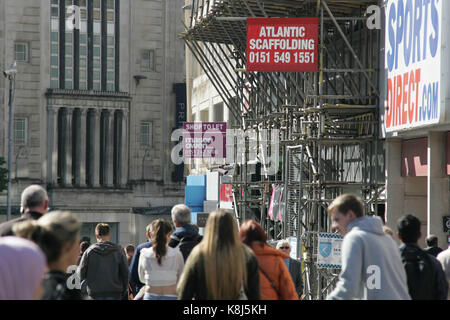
x=327, y=121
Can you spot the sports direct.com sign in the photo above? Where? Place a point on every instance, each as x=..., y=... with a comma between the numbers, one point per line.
x=413, y=62
x=282, y=44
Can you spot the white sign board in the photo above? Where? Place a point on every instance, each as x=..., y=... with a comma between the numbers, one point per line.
x=212, y=186
x=293, y=244
x=413, y=64
x=329, y=251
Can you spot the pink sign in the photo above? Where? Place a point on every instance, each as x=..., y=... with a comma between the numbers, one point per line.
x=204, y=140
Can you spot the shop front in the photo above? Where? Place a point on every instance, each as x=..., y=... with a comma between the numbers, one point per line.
x=416, y=115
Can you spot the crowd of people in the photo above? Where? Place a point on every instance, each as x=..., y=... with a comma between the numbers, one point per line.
x=229, y=262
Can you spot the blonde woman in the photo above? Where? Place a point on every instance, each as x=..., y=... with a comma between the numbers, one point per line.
x=160, y=266
x=58, y=235
x=221, y=265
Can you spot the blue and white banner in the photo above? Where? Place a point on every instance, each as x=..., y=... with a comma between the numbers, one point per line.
x=413, y=64
x=329, y=251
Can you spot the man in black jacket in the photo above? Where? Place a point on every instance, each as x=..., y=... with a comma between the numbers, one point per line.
x=34, y=202
x=104, y=267
x=295, y=267
x=425, y=276
x=186, y=234
x=135, y=282
x=432, y=243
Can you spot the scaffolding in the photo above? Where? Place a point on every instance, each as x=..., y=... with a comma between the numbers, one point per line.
x=328, y=121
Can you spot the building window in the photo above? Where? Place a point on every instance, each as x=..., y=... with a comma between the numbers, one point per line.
x=110, y=45
x=21, y=52
x=148, y=60
x=84, y=58
x=218, y=112
x=146, y=134
x=20, y=131
x=83, y=43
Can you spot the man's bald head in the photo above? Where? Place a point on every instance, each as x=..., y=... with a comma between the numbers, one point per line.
x=34, y=198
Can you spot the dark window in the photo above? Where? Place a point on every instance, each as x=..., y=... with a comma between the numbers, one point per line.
x=86, y=56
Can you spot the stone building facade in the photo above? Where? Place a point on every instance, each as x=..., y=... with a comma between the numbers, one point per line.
x=94, y=107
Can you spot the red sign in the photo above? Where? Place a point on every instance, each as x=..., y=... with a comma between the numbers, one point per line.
x=226, y=192
x=283, y=44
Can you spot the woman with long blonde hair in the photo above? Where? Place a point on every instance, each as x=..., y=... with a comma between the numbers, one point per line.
x=220, y=267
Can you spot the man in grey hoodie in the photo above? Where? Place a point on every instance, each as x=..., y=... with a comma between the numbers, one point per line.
x=104, y=267
x=371, y=265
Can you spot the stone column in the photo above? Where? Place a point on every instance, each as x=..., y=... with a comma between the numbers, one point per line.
x=52, y=145
x=96, y=150
x=68, y=147
x=76, y=152
x=438, y=188
x=124, y=163
x=82, y=147
x=395, y=183
x=110, y=149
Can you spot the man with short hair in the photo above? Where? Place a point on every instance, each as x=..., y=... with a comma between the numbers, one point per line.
x=135, y=283
x=433, y=247
x=34, y=202
x=426, y=279
x=371, y=265
x=129, y=252
x=104, y=267
x=295, y=267
x=186, y=234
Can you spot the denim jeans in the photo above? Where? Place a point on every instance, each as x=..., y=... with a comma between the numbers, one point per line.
x=151, y=296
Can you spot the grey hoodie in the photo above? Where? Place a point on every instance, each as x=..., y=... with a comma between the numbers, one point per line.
x=104, y=267
x=372, y=268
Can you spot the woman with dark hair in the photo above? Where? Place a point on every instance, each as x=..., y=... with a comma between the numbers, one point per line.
x=275, y=279
x=58, y=235
x=220, y=267
x=160, y=266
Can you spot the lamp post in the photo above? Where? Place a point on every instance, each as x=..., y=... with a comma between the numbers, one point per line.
x=10, y=74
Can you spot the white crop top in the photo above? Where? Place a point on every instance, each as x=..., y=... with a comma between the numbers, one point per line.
x=166, y=274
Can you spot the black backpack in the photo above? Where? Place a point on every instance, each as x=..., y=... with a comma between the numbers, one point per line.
x=185, y=244
x=420, y=273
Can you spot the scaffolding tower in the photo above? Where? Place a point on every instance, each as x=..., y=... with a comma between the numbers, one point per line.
x=328, y=121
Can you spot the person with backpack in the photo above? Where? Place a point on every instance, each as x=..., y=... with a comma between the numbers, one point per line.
x=186, y=235
x=426, y=279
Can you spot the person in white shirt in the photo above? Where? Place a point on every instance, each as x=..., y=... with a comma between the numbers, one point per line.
x=160, y=266
x=444, y=259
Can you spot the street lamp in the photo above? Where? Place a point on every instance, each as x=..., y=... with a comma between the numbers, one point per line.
x=11, y=75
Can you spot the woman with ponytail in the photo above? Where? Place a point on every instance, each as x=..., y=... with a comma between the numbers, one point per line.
x=58, y=236
x=160, y=266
